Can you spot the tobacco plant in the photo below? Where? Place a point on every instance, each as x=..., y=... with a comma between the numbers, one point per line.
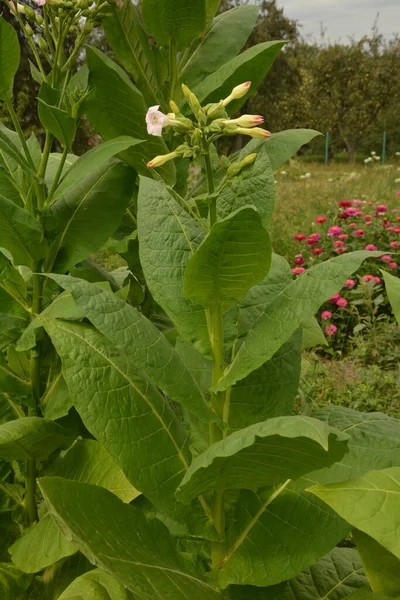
x=149, y=444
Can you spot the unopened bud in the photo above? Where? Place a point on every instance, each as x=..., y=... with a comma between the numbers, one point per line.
x=185, y=90
x=39, y=19
x=196, y=137
x=159, y=161
x=249, y=159
x=174, y=107
x=196, y=107
x=42, y=44
x=215, y=110
x=88, y=27
x=238, y=166
x=29, y=12
x=28, y=30
x=238, y=92
x=255, y=132
x=246, y=121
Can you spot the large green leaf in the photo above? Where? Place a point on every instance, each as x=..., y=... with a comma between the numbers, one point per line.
x=127, y=38
x=393, y=291
x=374, y=443
x=168, y=237
x=53, y=166
x=273, y=538
x=21, y=234
x=254, y=186
x=370, y=502
x=123, y=411
x=234, y=256
x=12, y=290
x=174, y=20
x=9, y=58
x=8, y=187
x=381, y=567
x=119, y=539
x=130, y=331
x=31, y=437
x=92, y=161
x=41, y=546
x=58, y=122
x=222, y=42
x=269, y=391
x=266, y=453
x=253, y=64
x=283, y=145
x=211, y=9
x=95, y=204
x=334, y=576
x=87, y=461
x=118, y=108
x=13, y=583
x=10, y=153
x=294, y=305
x=96, y=585
x=15, y=385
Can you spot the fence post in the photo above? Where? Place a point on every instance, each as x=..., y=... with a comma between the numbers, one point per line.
x=384, y=148
x=327, y=147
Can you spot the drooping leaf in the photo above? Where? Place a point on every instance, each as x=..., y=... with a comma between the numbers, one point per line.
x=294, y=305
x=374, y=443
x=274, y=539
x=131, y=332
x=254, y=186
x=168, y=237
x=58, y=122
x=174, y=20
x=12, y=384
x=95, y=204
x=12, y=289
x=59, y=576
x=92, y=161
x=41, y=546
x=87, y=461
x=119, y=539
x=118, y=108
x=8, y=187
x=222, y=42
x=96, y=585
x=334, y=576
x=370, y=502
x=9, y=58
x=234, y=256
x=283, y=145
x=393, y=291
x=21, y=234
x=122, y=410
x=127, y=38
x=56, y=402
x=312, y=334
x=13, y=582
x=381, y=567
x=31, y=437
x=266, y=453
x=11, y=152
x=253, y=64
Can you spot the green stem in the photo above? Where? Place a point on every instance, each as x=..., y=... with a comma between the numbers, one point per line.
x=173, y=70
x=30, y=492
x=211, y=188
x=58, y=175
x=42, y=170
x=18, y=129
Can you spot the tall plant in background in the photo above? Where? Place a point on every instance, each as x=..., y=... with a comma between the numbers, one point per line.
x=155, y=403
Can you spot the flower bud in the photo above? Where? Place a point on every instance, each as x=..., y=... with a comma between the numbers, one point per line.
x=29, y=12
x=28, y=30
x=215, y=110
x=159, y=161
x=196, y=108
x=174, y=107
x=88, y=27
x=238, y=92
x=255, y=132
x=238, y=166
x=39, y=19
x=42, y=44
x=246, y=121
x=185, y=90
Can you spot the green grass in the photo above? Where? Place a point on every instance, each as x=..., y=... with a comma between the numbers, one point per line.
x=299, y=201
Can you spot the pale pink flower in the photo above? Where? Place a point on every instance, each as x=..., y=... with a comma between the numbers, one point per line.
x=40, y=2
x=317, y=251
x=298, y=270
x=377, y=280
x=326, y=314
x=359, y=233
x=370, y=247
x=343, y=236
x=381, y=208
x=338, y=243
x=299, y=260
x=342, y=302
x=330, y=329
x=352, y=224
x=312, y=239
x=386, y=258
x=155, y=120
x=357, y=202
x=350, y=283
x=395, y=245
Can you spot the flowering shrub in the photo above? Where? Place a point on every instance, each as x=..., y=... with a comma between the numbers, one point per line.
x=362, y=302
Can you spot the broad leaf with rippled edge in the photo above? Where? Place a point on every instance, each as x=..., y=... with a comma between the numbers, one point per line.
x=31, y=437
x=21, y=234
x=254, y=186
x=334, y=576
x=123, y=411
x=174, y=20
x=294, y=305
x=382, y=567
x=266, y=453
x=370, y=503
x=130, y=331
x=10, y=53
x=235, y=255
x=96, y=585
x=273, y=539
x=225, y=38
x=168, y=237
x=374, y=443
x=120, y=539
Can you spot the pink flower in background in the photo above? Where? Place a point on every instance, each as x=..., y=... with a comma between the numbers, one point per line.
x=367, y=217
x=359, y=233
x=299, y=260
x=342, y=302
x=381, y=208
x=343, y=215
x=345, y=203
x=334, y=231
x=357, y=202
x=393, y=265
x=352, y=224
x=386, y=258
x=317, y=251
x=370, y=247
x=300, y=237
x=391, y=229
x=155, y=120
x=377, y=280
x=312, y=239
x=298, y=270
x=340, y=250
x=397, y=193
x=397, y=230
x=351, y=212
x=338, y=243
x=326, y=314
x=350, y=283
x=334, y=298
x=321, y=219
x=330, y=329
x=395, y=245
x=368, y=278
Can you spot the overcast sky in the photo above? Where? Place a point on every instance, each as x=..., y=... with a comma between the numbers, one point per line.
x=343, y=18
